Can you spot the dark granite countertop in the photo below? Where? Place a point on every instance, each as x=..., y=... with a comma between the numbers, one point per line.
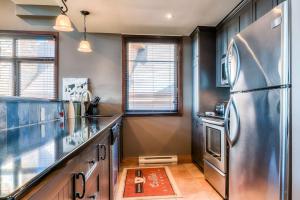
x=28, y=154
x=211, y=116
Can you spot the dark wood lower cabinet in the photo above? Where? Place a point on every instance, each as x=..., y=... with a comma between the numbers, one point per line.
x=85, y=175
x=104, y=169
x=197, y=142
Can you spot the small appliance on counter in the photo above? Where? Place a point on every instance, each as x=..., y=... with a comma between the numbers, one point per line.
x=218, y=113
x=220, y=108
x=93, y=107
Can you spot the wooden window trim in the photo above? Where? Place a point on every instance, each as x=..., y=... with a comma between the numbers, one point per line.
x=41, y=33
x=158, y=39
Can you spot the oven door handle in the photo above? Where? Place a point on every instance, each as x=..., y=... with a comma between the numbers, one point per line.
x=233, y=141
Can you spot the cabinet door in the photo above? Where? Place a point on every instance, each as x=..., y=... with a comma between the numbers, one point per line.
x=104, y=168
x=218, y=58
x=224, y=40
x=232, y=28
x=93, y=185
x=246, y=16
x=279, y=1
x=195, y=59
x=261, y=7
x=197, y=142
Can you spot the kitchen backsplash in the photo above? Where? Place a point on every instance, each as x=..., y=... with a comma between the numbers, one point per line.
x=16, y=113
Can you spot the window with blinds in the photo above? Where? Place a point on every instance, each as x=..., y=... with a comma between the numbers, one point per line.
x=152, y=76
x=28, y=65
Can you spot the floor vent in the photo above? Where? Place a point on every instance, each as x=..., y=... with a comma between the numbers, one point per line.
x=157, y=160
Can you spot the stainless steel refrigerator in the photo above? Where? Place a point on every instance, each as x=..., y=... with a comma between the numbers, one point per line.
x=257, y=117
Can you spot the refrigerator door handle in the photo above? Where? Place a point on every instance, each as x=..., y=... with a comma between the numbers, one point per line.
x=226, y=122
x=232, y=53
x=233, y=141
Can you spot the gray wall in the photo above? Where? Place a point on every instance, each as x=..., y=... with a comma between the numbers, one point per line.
x=143, y=135
x=295, y=5
x=163, y=135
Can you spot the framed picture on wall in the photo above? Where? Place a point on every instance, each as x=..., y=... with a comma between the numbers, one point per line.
x=74, y=88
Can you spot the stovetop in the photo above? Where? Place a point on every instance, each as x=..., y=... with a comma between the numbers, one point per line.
x=219, y=117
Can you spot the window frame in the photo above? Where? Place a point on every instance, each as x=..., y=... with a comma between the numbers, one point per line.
x=153, y=39
x=16, y=60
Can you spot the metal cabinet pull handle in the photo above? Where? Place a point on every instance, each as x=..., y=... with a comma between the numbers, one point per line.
x=226, y=123
x=101, y=149
x=77, y=194
x=92, y=162
x=92, y=197
x=103, y=157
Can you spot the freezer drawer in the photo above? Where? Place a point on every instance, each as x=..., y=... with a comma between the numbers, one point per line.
x=216, y=178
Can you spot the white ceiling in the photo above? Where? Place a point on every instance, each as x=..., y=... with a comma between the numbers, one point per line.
x=36, y=2
x=146, y=16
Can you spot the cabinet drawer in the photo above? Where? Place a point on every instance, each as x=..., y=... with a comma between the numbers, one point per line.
x=88, y=158
x=93, y=185
x=87, y=186
x=59, y=184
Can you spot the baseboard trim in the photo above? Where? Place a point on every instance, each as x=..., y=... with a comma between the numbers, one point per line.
x=181, y=159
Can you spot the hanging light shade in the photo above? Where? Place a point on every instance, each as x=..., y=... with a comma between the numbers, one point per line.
x=84, y=45
x=62, y=22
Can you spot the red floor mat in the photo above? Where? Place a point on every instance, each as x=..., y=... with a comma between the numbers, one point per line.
x=153, y=182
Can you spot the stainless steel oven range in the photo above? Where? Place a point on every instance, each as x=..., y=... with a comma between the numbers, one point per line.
x=215, y=154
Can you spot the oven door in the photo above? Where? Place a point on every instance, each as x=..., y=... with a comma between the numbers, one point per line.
x=215, y=145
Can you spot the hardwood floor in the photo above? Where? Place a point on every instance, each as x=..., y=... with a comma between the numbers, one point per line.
x=189, y=179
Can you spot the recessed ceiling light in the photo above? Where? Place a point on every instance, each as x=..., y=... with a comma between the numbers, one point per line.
x=169, y=16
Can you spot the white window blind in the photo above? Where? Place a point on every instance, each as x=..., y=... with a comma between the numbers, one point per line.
x=37, y=80
x=6, y=80
x=27, y=65
x=152, y=77
x=6, y=47
x=35, y=48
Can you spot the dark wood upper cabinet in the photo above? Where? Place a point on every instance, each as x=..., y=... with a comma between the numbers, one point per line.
x=245, y=15
x=224, y=40
x=261, y=7
x=233, y=28
x=277, y=2
x=236, y=21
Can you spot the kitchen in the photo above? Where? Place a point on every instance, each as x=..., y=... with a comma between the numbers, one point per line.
x=49, y=151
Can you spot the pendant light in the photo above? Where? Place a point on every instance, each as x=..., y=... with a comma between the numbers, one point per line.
x=63, y=22
x=84, y=45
